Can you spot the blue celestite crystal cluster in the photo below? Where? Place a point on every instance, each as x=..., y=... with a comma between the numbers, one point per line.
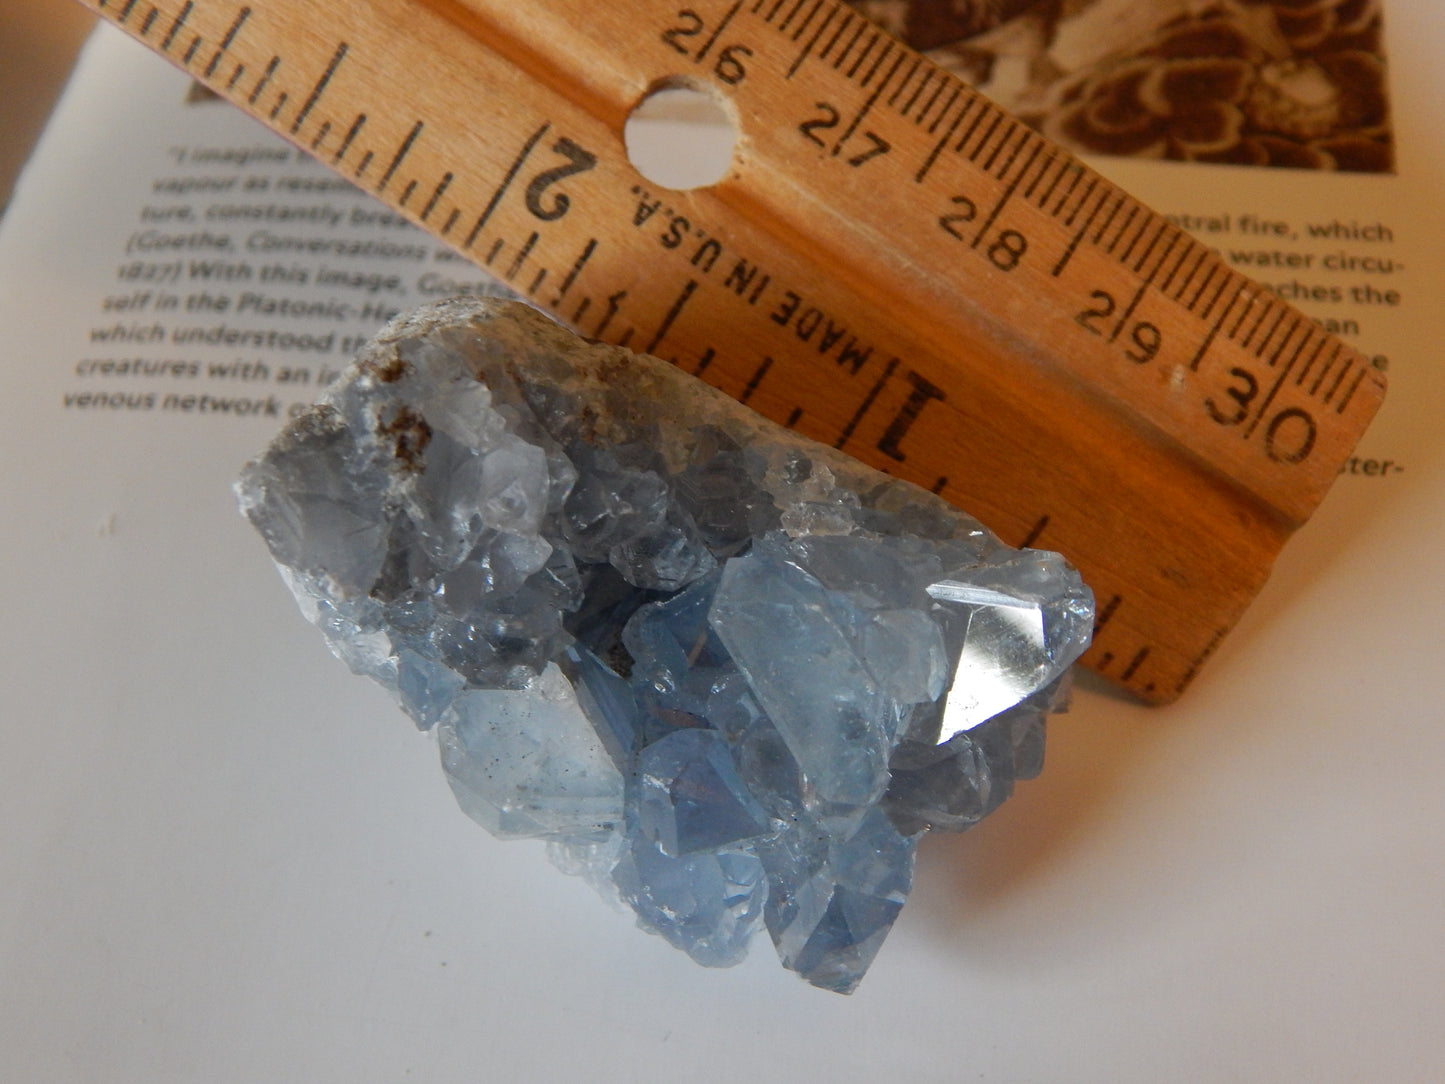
x=730, y=675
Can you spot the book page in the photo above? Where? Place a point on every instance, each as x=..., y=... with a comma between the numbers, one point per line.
x=225, y=858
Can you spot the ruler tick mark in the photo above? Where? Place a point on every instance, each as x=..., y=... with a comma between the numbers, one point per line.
x=1174, y=238
x=1320, y=344
x=1123, y=228
x=1214, y=328
x=1010, y=130
x=1268, y=401
x=321, y=134
x=1103, y=616
x=932, y=159
x=862, y=112
x=1266, y=307
x=863, y=27
x=717, y=33
x=407, y=193
x=1268, y=335
x=265, y=78
x=125, y=11
x=807, y=50
x=988, y=132
x=227, y=40
x=802, y=28
x=867, y=404
x=947, y=108
x=1295, y=324
x=1199, y=660
x=864, y=55
x=1079, y=234
x=364, y=164
x=1083, y=201
x=1128, y=312
x=1034, y=532
x=847, y=22
x=703, y=362
x=1180, y=261
x=1134, y=664
x=437, y=193
x=929, y=74
x=402, y=152
x=451, y=221
x=1049, y=162
x=576, y=270
x=1199, y=261
x=977, y=120
x=1350, y=394
x=280, y=104
x=1004, y=197
x=356, y=126
x=888, y=47
x=507, y=180
x=755, y=380
x=1339, y=379
x=522, y=254
x=898, y=90
x=1139, y=235
x=1215, y=268
x=614, y=306
x=149, y=21
x=185, y=13
x=783, y=26
x=320, y=87
x=672, y=314
x=1250, y=301
x=1325, y=371
x=1078, y=175
x=1109, y=218
x=191, y=50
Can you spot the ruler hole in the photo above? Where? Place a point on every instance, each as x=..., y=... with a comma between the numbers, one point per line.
x=681, y=136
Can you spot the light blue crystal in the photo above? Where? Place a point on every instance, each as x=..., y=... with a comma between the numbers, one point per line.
x=833, y=900
x=729, y=675
x=529, y=763
x=709, y=904
x=427, y=689
x=690, y=798
x=677, y=656
x=791, y=642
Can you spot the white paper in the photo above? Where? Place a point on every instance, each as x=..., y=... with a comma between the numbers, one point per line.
x=223, y=858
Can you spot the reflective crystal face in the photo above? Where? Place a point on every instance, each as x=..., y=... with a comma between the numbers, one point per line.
x=728, y=674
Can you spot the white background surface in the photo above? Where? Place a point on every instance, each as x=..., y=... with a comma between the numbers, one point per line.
x=223, y=858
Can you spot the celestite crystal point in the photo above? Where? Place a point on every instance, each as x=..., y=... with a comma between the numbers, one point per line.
x=730, y=675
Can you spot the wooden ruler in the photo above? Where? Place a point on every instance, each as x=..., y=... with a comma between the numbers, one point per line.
x=894, y=266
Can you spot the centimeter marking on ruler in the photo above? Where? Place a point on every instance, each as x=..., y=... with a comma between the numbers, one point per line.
x=1029, y=167
x=1274, y=377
